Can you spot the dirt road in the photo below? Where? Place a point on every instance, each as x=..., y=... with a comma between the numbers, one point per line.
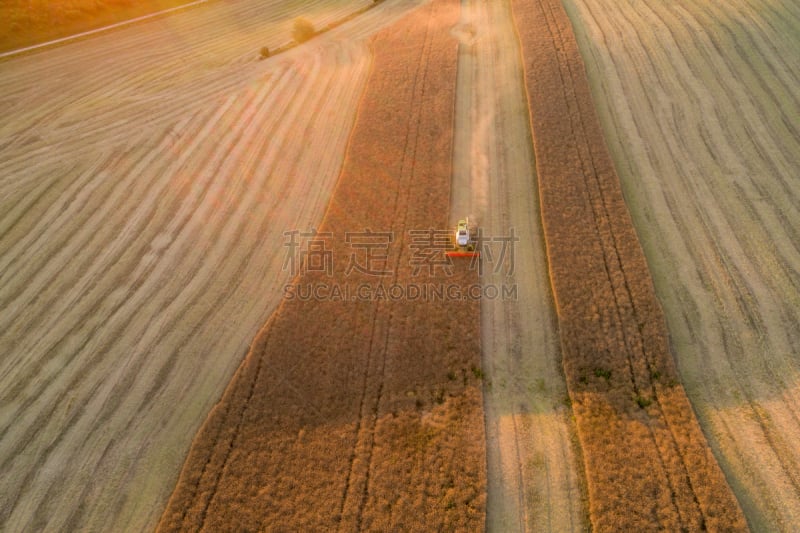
x=147, y=177
x=700, y=112
x=534, y=469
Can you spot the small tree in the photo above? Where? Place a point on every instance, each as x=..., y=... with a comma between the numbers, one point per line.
x=302, y=30
x=264, y=52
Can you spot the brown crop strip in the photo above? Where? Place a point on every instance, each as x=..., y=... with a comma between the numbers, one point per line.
x=647, y=462
x=362, y=413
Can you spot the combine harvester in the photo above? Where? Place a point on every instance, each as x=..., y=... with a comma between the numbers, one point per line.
x=464, y=242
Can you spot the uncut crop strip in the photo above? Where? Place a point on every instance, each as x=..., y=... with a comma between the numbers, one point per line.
x=360, y=413
x=703, y=105
x=647, y=462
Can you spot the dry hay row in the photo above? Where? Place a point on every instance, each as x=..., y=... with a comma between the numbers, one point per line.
x=122, y=282
x=720, y=128
x=93, y=116
x=123, y=124
x=28, y=230
x=176, y=223
x=207, y=26
x=773, y=102
x=647, y=464
x=231, y=118
x=708, y=120
x=734, y=135
x=211, y=36
x=343, y=414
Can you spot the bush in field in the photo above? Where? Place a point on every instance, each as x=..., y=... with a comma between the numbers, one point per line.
x=302, y=30
x=264, y=52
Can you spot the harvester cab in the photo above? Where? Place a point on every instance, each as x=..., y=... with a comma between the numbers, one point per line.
x=464, y=242
x=462, y=233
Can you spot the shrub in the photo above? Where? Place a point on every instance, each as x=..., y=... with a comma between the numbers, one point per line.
x=264, y=52
x=602, y=373
x=302, y=30
x=477, y=372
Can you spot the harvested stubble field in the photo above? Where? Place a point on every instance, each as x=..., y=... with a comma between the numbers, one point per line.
x=146, y=178
x=364, y=413
x=647, y=463
x=700, y=102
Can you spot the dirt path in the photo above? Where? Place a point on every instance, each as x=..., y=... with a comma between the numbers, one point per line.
x=534, y=469
x=147, y=178
x=701, y=116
